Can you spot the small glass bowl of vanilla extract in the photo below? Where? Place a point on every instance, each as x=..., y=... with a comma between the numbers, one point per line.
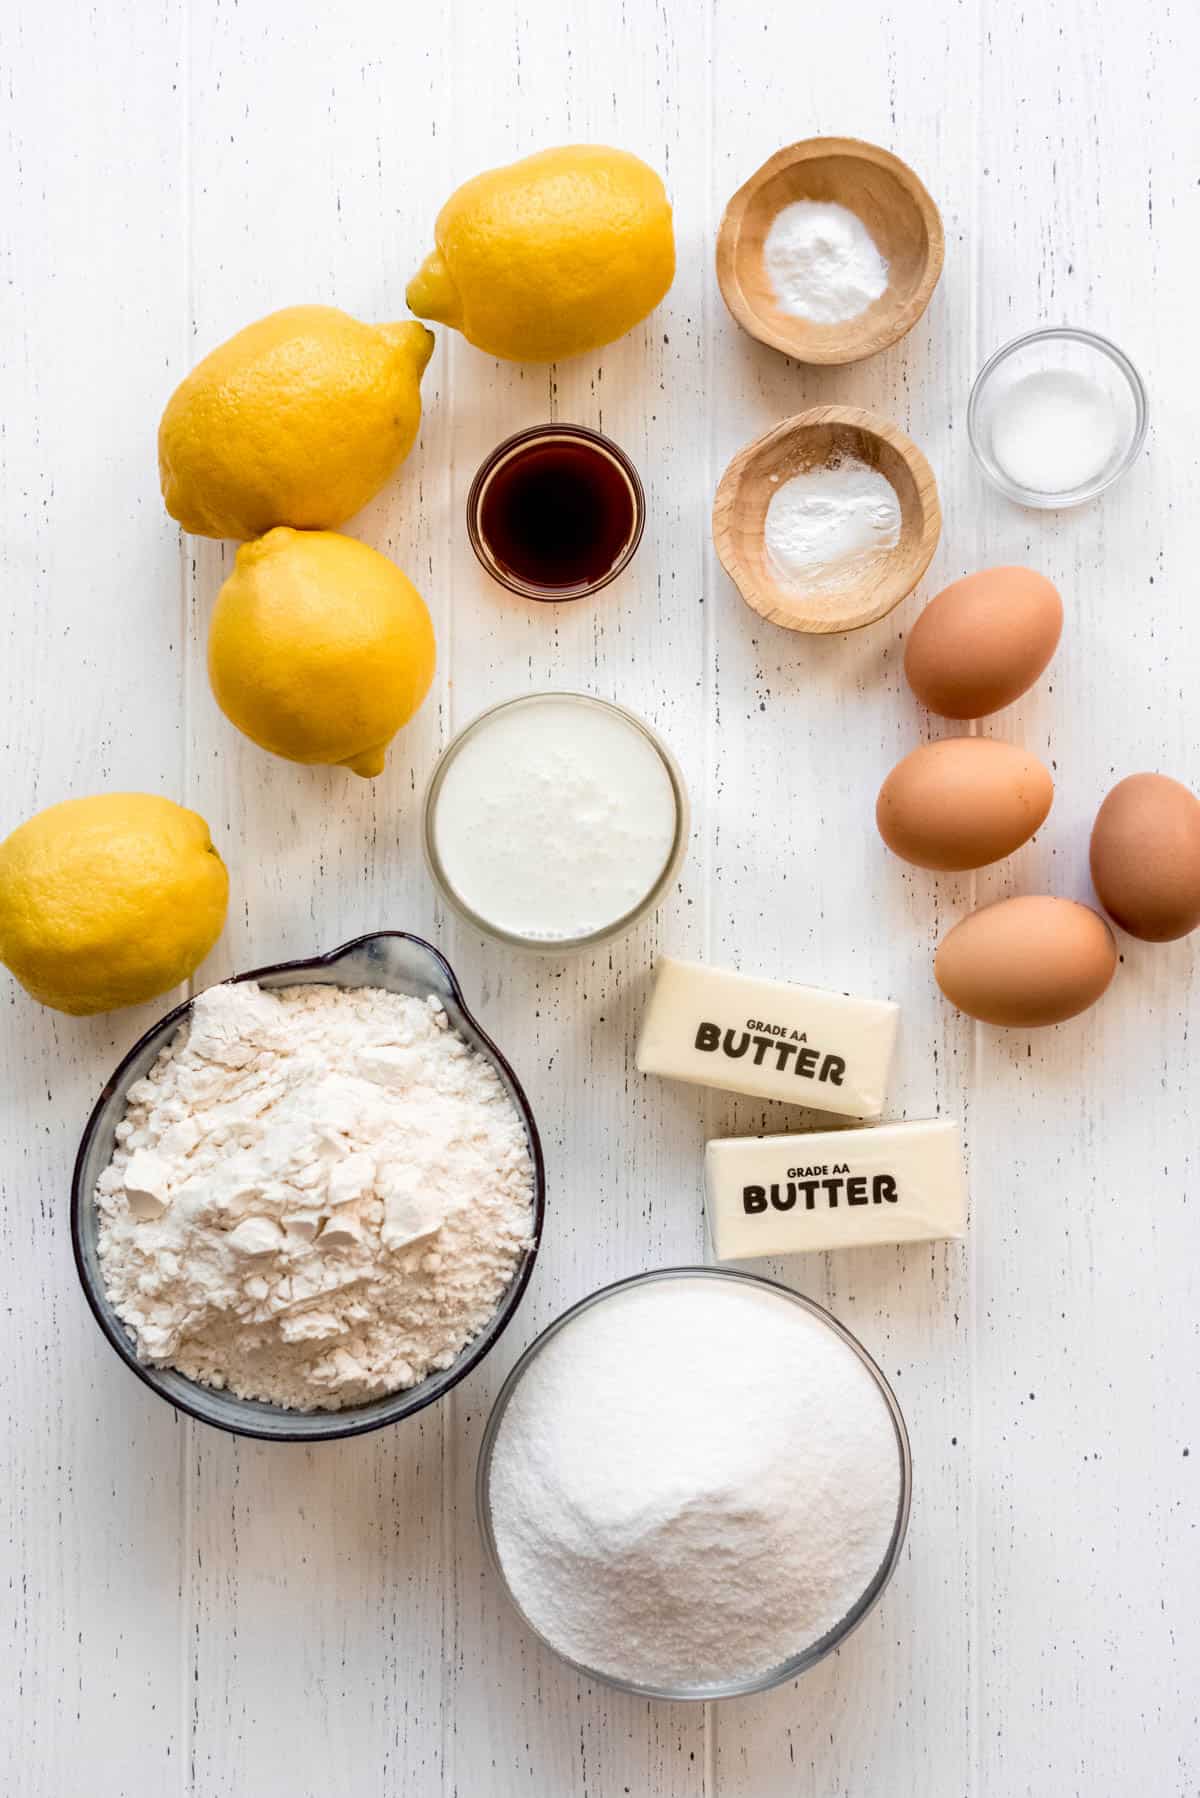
x=556, y=512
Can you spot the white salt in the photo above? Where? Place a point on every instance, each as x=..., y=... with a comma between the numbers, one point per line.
x=1054, y=431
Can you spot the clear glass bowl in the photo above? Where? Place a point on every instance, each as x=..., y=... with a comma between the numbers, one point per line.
x=398, y=963
x=1060, y=348
x=815, y=1651
x=518, y=445
x=556, y=945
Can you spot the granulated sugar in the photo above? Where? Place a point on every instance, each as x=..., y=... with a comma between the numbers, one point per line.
x=317, y=1196
x=693, y=1481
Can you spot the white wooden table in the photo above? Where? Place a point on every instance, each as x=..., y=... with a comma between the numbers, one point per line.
x=181, y=1612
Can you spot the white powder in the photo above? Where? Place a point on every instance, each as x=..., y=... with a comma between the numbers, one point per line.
x=823, y=262
x=693, y=1481
x=318, y=1195
x=1054, y=431
x=831, y=524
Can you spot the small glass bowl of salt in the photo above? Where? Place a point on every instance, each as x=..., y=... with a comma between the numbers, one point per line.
x=1056, y=416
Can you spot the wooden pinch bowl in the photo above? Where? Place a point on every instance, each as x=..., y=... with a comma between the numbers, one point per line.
x=809, y=440
x=891, y=202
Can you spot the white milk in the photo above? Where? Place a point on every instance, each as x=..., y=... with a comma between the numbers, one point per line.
x=555, y=818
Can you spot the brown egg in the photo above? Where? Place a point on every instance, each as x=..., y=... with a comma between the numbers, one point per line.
x=1026, y=962
x=1146, y=857
x=962, y=802
x=983, y=641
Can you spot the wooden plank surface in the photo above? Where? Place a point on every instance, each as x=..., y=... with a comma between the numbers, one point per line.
x=1086, y=1138
x=184, y=1612
x=810, y=726
x=91, y=695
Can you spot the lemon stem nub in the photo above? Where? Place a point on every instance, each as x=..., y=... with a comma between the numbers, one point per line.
x=412, y=340
x=432, y=294
x=368, y=762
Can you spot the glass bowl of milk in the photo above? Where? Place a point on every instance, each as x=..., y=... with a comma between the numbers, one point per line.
x=555, y=822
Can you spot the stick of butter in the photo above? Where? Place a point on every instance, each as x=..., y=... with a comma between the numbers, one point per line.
x=836, y=1189
x=768, y=1038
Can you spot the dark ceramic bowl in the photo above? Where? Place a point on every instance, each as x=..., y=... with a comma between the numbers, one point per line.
x=398, y=963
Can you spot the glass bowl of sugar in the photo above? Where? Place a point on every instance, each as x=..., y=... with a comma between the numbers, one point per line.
x=1056, y=417
x=695, y=1484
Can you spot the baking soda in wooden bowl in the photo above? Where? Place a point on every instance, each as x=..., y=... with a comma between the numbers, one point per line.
x=854, y=515
x=694, y=1484
x=831, y=524
x=823, y=262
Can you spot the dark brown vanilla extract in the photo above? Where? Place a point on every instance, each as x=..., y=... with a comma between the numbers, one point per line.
x=558, y=514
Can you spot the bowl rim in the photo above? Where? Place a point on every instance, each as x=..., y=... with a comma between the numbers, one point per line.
x=853, y=347
x=341, y=1423
x=1033, y=497
x=556, y=946
x=871, y=424
x=501, y=454
x=815, y=1651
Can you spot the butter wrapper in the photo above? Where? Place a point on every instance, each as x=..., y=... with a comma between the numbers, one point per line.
x=768, y=1038
x=835, y=1189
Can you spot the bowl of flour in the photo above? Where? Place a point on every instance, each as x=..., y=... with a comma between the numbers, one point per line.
x=309, y=1200
x=694, y=1485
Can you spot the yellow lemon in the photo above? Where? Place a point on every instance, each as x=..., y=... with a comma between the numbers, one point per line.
x=299, y=419
x=319, y=649
x=558, y=253
x=109, y=901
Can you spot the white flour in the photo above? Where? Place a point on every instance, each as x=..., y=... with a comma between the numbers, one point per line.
x=318, y=1196
x=822, y=262
x=830, y=524
x=693, y=1481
